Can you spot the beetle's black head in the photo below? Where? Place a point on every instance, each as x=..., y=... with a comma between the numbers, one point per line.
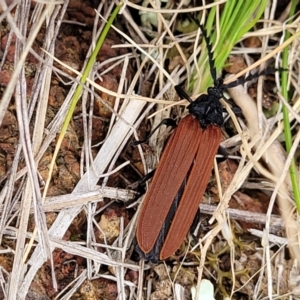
x=207, y=108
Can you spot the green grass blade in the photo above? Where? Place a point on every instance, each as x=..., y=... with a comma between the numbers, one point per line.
x=286, y=121
x=237, y=18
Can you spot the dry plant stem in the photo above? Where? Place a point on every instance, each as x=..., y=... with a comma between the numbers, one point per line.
x=87, y=182
x=222, y=218
x=276, y=222
x=45, y=78
x=10, y=87
x=141, y=280
x=58, y=203
x=292, y=226
x=289, y=107
x=272, y=238
x=6, y=194
x=240, y=176
x=133, y=83
x=11, y=20
x=33, y=183
x=174, y=11
x=171, y=35
x=268, y=56
x=131, y=41
x=78, y=249
x=109, y=92
x=116, y=107
x=268, y=16
x=69, y=290
x=208, y=241
x=32, y=190
x=260, y=274
x=137, y=29
x=6, y=9
x=77, y=95
x=274, y=157
x=91, y=207
x=54, y=127
x=164, y=112
x=120, y=256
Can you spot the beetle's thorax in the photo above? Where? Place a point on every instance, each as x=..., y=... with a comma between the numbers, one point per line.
x=207, y=107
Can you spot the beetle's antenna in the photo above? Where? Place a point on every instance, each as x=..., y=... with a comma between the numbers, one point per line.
x=255, y=75
x=211, y=59
x=182, y=94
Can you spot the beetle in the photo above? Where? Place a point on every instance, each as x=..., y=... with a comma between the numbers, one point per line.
x=183, y=172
